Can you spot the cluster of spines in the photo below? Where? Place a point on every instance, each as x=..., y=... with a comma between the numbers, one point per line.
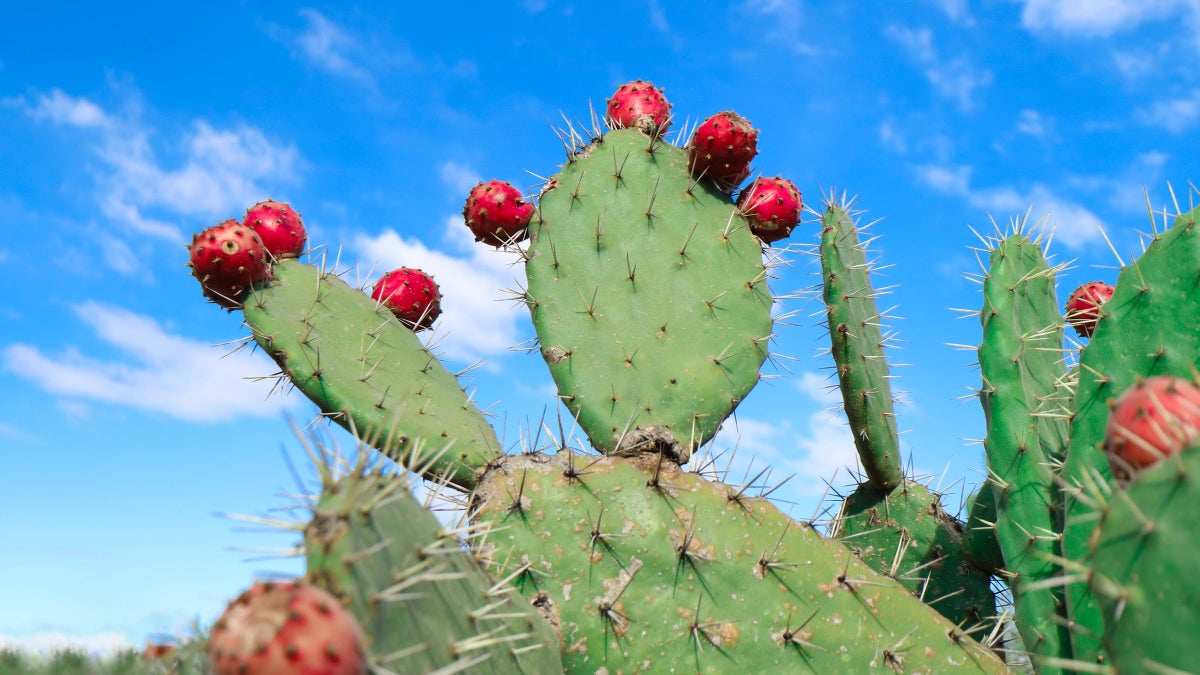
x=423, y=599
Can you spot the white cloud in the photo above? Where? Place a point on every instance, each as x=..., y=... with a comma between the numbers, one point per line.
x=955, y=79
x=1074, y=225
x=59, y=108
x=478, y=319
x=1031, y=123
x=956, y=11
x=814, y=453
x=175, y=376
x=1175, y=115
x=1098, y=18
x=459, y=178
x=328, y=47
x=658, y=19
x=47, y=643
x=221, y=172
x=782, y=21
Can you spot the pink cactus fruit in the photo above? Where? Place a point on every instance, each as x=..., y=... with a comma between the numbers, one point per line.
x=1156, y=418
x=279, y=226
x=278, y=628
x=227, y=259
x=497, y=213
x=1083, y=307
x=773, y=206
x=722, y=148
x=411, y=295
x=640, y=105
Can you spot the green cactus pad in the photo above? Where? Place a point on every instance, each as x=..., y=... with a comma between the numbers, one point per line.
x=424, y=601
x=649, y=569
x=1148, y=328
x=908, y=536
x=1021, y=362
x=369, y=373
x=857, y=341
x=649, y=296
x=1143, y=569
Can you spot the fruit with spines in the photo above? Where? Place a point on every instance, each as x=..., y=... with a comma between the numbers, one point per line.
x=639, y=105
x=227, y=259
x=721, y=149
x=497, y=213
x=1150, y=421
x=280, y=228
x=286, y=628
x=1083, y=306
x=773, y=207
x=412, y=295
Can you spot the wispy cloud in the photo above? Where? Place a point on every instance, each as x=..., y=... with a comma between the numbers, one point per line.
x=658, y=19
x=782, y=21
x=955, y=79
x=329, y=47
x=1074, y=225
x=1176, y=115
x=221, y=170
x=956, y=10
x=162, y=376
x=813, y=451
x=1035, y=124
x=1098, y=17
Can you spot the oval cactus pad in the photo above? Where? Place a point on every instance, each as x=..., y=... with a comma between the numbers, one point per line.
x=649, y=296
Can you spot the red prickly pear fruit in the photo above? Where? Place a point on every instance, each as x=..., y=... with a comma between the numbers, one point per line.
x=497, y=213
x=411, y=295
x=772, y=205
x=1083, y=307
x=278, y=628
x=721, y=149
x=639, y=105
x=227, y=259
x=1153, y=419
x=279, y=226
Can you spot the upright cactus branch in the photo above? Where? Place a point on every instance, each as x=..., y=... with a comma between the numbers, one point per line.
x=854, y=322
x=1020, y=360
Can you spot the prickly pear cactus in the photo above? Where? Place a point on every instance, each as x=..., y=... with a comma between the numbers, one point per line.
x=649, y=295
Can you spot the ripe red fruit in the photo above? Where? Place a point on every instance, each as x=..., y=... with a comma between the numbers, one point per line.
x=497, y=213
x=1153, y=419
x=639, y=104
x=412, y=296
x=278, y=628
x=772, y=205
x=721, y=149
x=1083, y=307
x=279, y=227
x=227, y=259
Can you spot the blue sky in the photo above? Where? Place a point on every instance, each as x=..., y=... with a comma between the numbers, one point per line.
x=126, y=127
